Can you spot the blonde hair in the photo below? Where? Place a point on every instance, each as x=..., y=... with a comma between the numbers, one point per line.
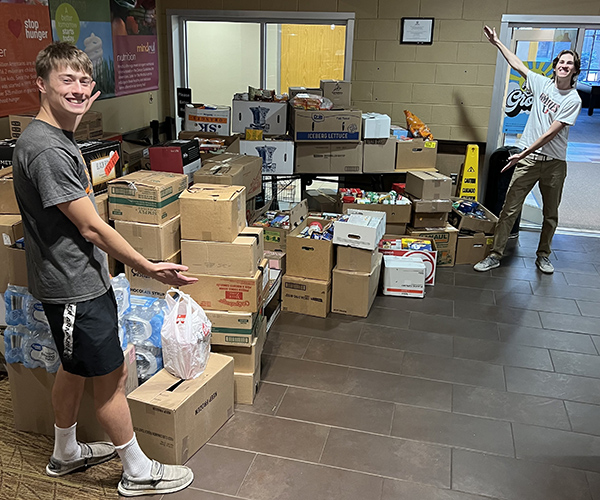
x=62, y=54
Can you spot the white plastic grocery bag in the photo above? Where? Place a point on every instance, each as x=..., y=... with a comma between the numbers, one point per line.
x=185, y=336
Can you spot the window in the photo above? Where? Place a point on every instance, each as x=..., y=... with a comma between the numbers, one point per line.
x=590, y=57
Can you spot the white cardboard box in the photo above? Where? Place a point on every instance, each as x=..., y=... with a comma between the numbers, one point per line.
x=215, y=119
x=277, y=156
x=376, y=126
x=403, y=276
x=363, y=229
x=428, y=257
x=270, y=117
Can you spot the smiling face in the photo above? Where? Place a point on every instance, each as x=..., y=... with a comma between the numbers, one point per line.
x=66, y=91
x=566, y=67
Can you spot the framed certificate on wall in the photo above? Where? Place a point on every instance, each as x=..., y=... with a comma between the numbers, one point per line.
x=417, y=30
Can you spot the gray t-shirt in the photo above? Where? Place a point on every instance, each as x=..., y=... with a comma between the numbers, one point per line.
x=48, y=169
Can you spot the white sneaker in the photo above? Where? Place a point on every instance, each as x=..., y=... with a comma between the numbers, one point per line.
x=163, y=479
x=544, y=265
x=490, y=262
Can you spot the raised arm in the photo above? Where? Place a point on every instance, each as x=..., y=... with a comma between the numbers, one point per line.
x=514, y=62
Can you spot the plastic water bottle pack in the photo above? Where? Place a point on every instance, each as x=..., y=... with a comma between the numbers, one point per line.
x=34, y=348
x=122, y=290
x=23, y=309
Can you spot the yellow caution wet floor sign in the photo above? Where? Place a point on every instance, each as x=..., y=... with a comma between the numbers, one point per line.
x=470, y=174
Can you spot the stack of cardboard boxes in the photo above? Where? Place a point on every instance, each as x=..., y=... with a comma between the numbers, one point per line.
x=14, y=268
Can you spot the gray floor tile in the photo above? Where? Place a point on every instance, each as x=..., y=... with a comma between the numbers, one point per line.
x=333, y=327
x=548, y=339
x=388, y=317
x=594, y=482
x=462, y=293
x=596, y=342
x=576, y=256
x=389, y=457
x=510, y=406
x=564, y=448
x=452, y=429
x=569, y=266
x=512, y=479
x=338, y=410
x=444, y=276
x=585, y=365
x=286, y=344
x=552, y=385
x=454, y=326
x=589, y=308
x=584, y=417
x=536, y=303
x=272, y=478
x=487, y=282
x=459, y=371
x=570, y=323
x=432, y=305
x=583, y=280
x=303, y=373
x=498, y=314
x=220, y=470
x=403, y=490
x=502, y=353
x=272, y=435
x=407, y=340
x=193, y=493
x=267, y=399
x=527, y=273
x=399, y=389
x=568, y=292
x=356, y=355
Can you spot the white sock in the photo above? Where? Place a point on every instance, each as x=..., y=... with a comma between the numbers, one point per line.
x=135, y=462
x=66, y=447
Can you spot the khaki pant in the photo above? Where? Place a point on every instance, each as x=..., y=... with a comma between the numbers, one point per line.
x=551, y=176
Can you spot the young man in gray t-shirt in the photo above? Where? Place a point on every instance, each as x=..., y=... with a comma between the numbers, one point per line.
x=66, y=241
x=542, y=159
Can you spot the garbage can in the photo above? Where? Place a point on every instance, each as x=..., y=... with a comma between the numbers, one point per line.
x=497, y=183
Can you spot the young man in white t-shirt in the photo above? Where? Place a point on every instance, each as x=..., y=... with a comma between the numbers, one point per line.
x=555, y=107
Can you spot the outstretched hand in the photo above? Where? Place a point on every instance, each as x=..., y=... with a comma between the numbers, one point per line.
x=512, y=161
x=170, y=274
x=490, y=34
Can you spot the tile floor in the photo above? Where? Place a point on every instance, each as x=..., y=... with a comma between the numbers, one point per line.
x=486, y=389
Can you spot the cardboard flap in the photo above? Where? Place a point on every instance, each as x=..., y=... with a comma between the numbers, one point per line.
x=215, y=192
x=298, y=213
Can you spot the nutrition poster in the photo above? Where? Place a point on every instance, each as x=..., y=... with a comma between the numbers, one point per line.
x=24, y=31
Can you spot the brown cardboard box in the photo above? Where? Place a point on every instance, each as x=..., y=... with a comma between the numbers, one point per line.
x=232, y=170
x=132, y=156
x=238, y=258
x=338, y=92
x=464, y=222
x=379, y=156
x=245, y=358
x=353, y=292
x=8, y=200
x=31, y=394
x=90, y=126
x=277, y=260
x=427, y=220
x=309, y=258
x=429, y=206
x=428, y=185
x=231, y=143
x=394, y=214
x=306, y=296
x=356, y=259
x=470, y=249
x=246, y=386
x=451, y=165
x=153, y=241
x=174, y=418
x=17, y=266
x=18, y=123
x=145, y=196
x=322, y=200
x=11, y=229
x=329, y=158
x=145, y=285
x=326, y=126
x=102, y=206
x=212, y=212
x=445, y=242
x=416, y=154
x=233, y=328
x=275, y=237
x=395, y=229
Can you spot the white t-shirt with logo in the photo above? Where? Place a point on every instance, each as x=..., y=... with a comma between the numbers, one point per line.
x=549, y=105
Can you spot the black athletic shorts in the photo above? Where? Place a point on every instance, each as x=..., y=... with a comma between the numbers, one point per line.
x=87, y=335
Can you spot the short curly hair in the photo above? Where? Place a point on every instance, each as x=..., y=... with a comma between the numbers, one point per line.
x=62, y=54
x=576, y=64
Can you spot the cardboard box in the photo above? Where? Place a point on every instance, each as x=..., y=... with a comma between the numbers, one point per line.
x=232, y=170
x=8, y=200
x=395, y=229
x=132, y=156
x=276, y=237
x=153, y=241
x=393, y=246
x=31, y=394
x=423, y=220
x=245, y=358
x=445, y=242
x=141, y=284
x=356, y=259
x=17, y=266
x=353, y=292
x=233, y=328
x=177, y=156
x=326, y=126
x=338, y=92
x=293, y=91
x=246, y=386
x=363, y=229
x=11, y=228
x=379, y=156
x=322, y=200
x=145, y=196
x=7, y=148
x=90, y=126
x=394, y=214
x=470, y=249
x=270, y=117
x=428, y=185
x=103, y=160
x=277, y=156
x=238, y=258
x=18, y=123
x=403, y=276
x=430, y=206
x=215, y=119
x=376, y=126
x=309, y=258
x=465, y=223
x=306, y=296
x=212, y=212
x=329, y=158
x=174, y=418
x=231, y=143
x=415, y=154
x=101, y=201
